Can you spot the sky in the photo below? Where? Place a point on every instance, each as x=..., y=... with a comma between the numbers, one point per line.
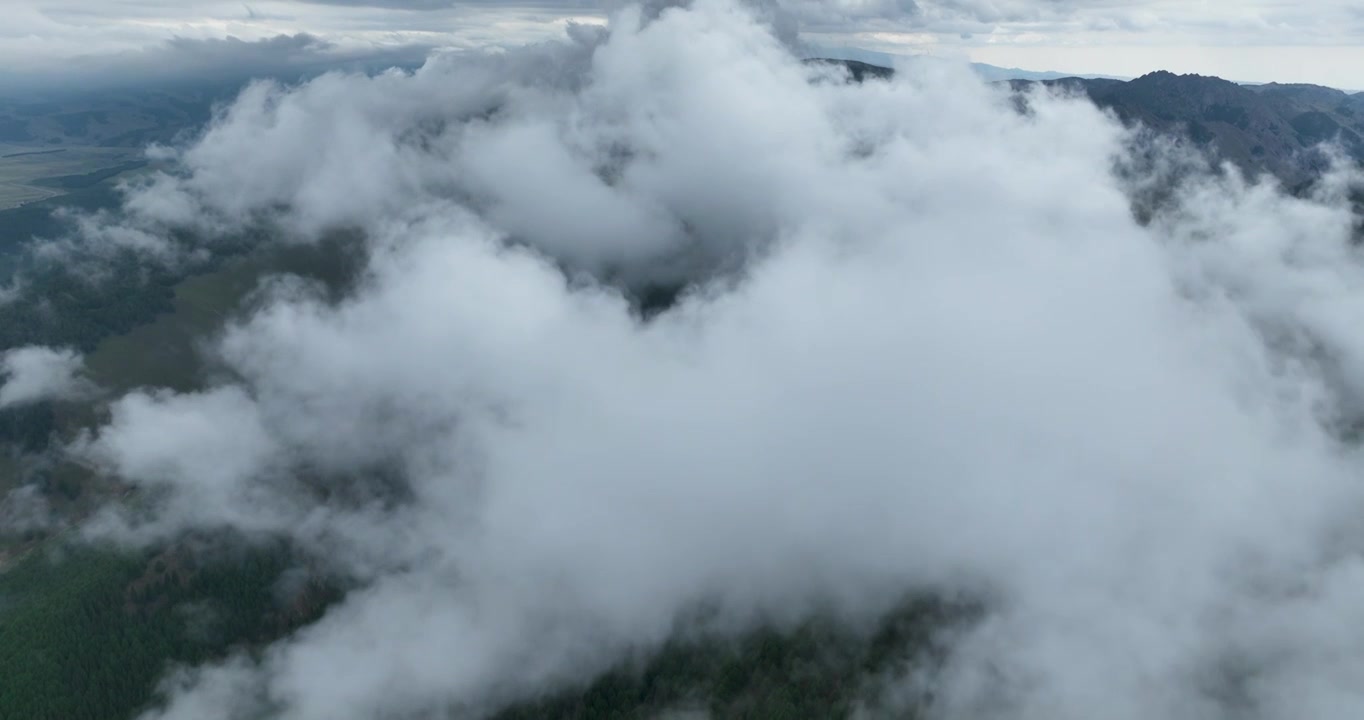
x=1242, y=40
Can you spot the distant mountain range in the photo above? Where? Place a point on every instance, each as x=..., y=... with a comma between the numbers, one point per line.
x=1270, y=127
x=992, y=73
x=1264, y=128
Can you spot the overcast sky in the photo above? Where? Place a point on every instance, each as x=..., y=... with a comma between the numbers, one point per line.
x=1247, y=40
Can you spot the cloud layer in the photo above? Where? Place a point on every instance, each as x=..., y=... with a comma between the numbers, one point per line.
x=1258, y=40
x=923, y=347
x=210, y=61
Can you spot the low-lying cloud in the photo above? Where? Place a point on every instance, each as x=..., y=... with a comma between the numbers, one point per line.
x=34, y=374
x=923, y=347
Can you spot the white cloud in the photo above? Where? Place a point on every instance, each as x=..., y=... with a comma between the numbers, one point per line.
x=928, y=350
x=216, y=440
x=32, y=374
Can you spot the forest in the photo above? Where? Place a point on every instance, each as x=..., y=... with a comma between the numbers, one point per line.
x=85, y=634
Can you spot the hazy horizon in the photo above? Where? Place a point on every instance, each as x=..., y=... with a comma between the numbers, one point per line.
x=1255, y=41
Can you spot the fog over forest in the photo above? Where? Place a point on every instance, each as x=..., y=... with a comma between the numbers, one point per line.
x=659, y=331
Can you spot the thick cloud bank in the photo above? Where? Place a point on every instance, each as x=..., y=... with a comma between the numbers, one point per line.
x=924, y=348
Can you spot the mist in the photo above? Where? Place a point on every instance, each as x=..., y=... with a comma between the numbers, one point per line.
x=922, y=346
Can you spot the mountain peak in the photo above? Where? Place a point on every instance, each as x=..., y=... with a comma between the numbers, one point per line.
x=1165, y=76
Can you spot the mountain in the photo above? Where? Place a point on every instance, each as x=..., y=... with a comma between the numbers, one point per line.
x=856, y=68
x=995, y=73
x=130, y=119
x=991, y=73
x=1261, y=128
x=1271, y=128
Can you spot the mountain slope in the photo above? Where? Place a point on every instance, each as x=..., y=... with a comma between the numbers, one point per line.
x=1261, y=129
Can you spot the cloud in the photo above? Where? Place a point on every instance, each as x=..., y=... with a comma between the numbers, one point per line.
x=923, y=346
x=1308, y=43
x=443, y=4
x=1252, y=41
x=85, y=45
x=10, y=292
x=33, y=374
x=213, y=61
x=25, y=510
